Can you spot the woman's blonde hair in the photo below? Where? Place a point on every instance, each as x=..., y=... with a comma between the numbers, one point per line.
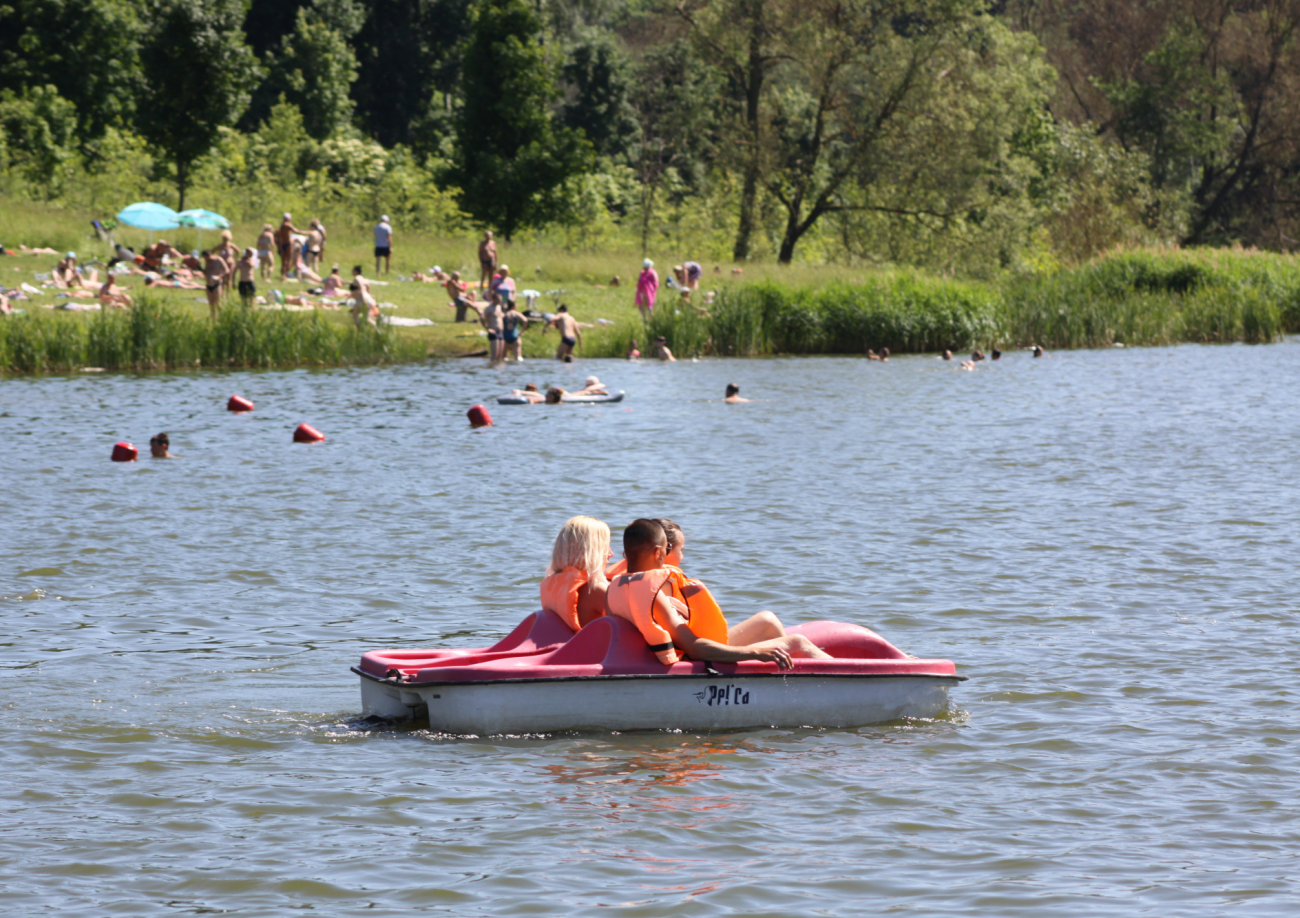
x=583, y=543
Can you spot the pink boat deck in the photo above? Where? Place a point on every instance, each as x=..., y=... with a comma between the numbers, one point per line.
x=543, y=647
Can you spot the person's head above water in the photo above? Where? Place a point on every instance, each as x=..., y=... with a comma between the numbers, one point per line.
x=583, y=543
x=159, y=446
x=531, y=387
x=554, y=395
x=592, y=382
x=732, y=389
x=645, y=545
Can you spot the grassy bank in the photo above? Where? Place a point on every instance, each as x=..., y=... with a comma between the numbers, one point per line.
x=1136, y=297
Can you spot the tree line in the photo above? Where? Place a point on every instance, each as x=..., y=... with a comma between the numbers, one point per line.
x=960, y=134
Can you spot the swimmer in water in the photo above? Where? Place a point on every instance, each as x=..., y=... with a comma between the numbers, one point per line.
x=159, y=446
x=632, y=352
x=884, y=355
x=555, y=395
x=977, y=356
x=947, y=355
x=592, y=386
x=530, y=392
x=662, y=352
x=733, y=394
x=659, y=613
x=1039, y=352
x=995, y=354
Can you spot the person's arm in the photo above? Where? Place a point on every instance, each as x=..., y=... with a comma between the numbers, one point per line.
x=577, y=333
x=698, y=648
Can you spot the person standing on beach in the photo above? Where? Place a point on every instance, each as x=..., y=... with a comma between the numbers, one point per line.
x=265, y=251
x=230, y=255
x=284, y=244
x=647, y=288
x=247, y=271
x=570, y=334
x=383, y=244
x=513, y=323
x=487, y=259
x=215, y=270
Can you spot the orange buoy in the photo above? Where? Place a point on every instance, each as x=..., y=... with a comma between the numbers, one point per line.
x=124, y=452
x=239, y=403
x=479, y=417
x=307, y=434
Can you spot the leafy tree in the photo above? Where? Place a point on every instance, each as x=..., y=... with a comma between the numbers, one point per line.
x=85, y=49
x=317, y=66
x=744, y=38
x=197, y=71
x=409, y=53
x=512, y=158
x=39, y=129
x=676, y=97
x=597, y=84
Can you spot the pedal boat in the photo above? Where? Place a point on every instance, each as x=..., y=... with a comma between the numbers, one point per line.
x=544, y=678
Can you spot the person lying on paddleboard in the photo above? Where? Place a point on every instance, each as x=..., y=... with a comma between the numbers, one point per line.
x=648, y=596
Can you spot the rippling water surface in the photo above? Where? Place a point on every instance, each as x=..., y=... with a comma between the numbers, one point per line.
x=1105, y=542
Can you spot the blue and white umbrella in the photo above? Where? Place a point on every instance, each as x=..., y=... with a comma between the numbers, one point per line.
x=202, y=219
x=147, y=215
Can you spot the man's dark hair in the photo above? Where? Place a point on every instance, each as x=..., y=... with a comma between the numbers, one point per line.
x=356, y=269
x=732, y=389
x=642, y=536
x=163, y=439
x=562, y=308
x=672, y=532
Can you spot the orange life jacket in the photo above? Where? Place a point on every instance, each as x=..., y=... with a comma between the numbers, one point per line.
x=705, y=617
x=632, y=597
x=560, y=594
x=618, y=567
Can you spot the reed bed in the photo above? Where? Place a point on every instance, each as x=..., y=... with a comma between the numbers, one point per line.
x=1141, y=297
x=154, y=336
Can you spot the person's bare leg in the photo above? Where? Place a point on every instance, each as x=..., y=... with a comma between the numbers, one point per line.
x=796, y=645
x=761, y=627
x=214, y=303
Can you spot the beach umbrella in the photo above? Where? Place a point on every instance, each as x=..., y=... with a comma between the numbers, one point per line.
x=202, y=219
x=147, y=215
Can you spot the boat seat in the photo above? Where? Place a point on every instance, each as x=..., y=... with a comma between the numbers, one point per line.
x=609, y=641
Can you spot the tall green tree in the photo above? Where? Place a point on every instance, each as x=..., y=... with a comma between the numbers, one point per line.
x=410, y=57
x=198, y=76
x=512, y=156
x=85, y=49
x=676, y=98
x=596, y=87
x=316, y=66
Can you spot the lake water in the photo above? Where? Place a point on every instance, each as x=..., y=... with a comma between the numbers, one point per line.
x=1106, y=542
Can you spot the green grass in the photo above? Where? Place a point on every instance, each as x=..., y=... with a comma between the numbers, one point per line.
x=1134, y=297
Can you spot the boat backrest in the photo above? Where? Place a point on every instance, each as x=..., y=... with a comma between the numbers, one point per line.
x=541, y=629
x=609, y=641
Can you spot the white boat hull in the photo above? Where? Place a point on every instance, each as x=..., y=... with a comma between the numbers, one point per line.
x=704, y=702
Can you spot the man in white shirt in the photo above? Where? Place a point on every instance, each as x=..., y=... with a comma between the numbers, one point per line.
x=383, y=244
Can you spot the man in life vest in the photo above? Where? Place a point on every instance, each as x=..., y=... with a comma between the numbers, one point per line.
x=646, y=596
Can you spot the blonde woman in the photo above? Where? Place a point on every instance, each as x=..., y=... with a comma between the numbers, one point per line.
x=574, y=585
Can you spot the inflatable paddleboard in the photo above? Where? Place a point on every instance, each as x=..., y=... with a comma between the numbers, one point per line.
x=564, y=399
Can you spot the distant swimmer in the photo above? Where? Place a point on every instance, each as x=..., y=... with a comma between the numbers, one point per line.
x=529, y=392
x=574, y=586
x=159, y=446
x=647, y=596
x=555, y=395
x=592, y=386
x=733, y=394
x=632, y=352
x=662, y=352
x=995, y=354
x=947, y=355
x=884, y=354
x=1039, y=352
x=977, y=356
x=570, y=334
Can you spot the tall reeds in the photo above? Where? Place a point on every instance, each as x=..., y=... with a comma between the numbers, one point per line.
x=152, y=336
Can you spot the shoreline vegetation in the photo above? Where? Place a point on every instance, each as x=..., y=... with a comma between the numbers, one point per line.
x=1132, y=297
